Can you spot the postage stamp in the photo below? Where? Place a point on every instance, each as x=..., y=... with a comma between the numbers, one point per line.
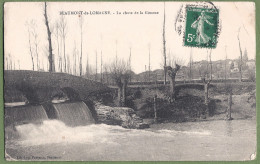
x=201, y=27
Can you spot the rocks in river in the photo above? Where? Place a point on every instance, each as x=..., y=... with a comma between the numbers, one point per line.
x=122, y=116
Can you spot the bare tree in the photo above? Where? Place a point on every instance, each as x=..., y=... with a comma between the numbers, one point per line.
x=106, y=74
x=190, y=65
x=240, y=57
x=101, y=67
x=120, y=73
x=164, y=47
x=210, y=63
x=225, y=64
x=129, y=61
x=149, y=64
x=87, y=67
x=63, y=33
x=96, y=67
x=172, y=69
x=30, y=44
x=81, y=40
x=36, y=42
x=206, y=92
x=50, y=57
x=8, y=62
x=206, y=81
x=19, y=65
x=74, y=59
x=57, y=35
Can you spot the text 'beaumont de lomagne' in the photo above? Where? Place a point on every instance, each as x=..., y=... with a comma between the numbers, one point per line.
x=107, y=12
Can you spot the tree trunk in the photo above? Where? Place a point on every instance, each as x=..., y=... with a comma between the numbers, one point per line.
x=124, y=93
x=119, y=95
x=172, y=74
x=172, y=88
x=240, y=58
x=50, y=57
x=206, y=98
x=155, y=108
x=164, y=48
x=206, y=93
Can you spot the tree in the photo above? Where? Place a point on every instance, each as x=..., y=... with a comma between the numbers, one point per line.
x=245, y=60
x=75, y=51
x=63, y=33
x=87, y=67
x=57, y=35
x=245, y=56
x=190, y=65
x=120, y=73
x=129, y=61
x=225, y=65
x=81, y=40
x=50, y=57
x=172, y=74
x=36, y=42
x=101, y=68
x=30, y=44
x=172, y=70
x=240, y=62
x=164, y=47
x=206, y=81
x=210, y=63
x=96, y=66
x=149, y=64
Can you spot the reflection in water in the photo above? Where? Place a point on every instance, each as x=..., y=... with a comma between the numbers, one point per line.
x=209, y=140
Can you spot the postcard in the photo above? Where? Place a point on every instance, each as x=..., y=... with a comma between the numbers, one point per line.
x=130, y=81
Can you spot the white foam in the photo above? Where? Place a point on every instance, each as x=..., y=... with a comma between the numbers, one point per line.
x=55, y=131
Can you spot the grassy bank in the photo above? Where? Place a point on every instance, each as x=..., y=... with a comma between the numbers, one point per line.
x=189, y=104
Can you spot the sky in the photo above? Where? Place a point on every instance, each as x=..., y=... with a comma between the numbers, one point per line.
x=116, y=34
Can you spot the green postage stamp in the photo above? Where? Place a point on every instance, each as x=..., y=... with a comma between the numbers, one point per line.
x=201, y=27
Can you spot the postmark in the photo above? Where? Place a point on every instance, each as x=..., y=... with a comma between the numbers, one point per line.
x=201, y=28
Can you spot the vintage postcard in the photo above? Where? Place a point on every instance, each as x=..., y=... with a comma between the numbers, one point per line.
x=130, y=81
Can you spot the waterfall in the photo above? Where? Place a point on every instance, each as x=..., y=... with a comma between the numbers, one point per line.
x=74, y=113
x=24, y=114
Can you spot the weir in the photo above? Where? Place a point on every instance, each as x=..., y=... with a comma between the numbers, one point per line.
x=74, y=113
x=24, y=114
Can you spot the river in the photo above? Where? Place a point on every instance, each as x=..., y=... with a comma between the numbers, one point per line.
x=200, y=141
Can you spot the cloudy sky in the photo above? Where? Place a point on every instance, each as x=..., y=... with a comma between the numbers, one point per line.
x=102, y=32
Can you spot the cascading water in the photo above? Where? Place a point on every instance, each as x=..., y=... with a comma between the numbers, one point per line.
x=25, y=114
x=74, y=113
